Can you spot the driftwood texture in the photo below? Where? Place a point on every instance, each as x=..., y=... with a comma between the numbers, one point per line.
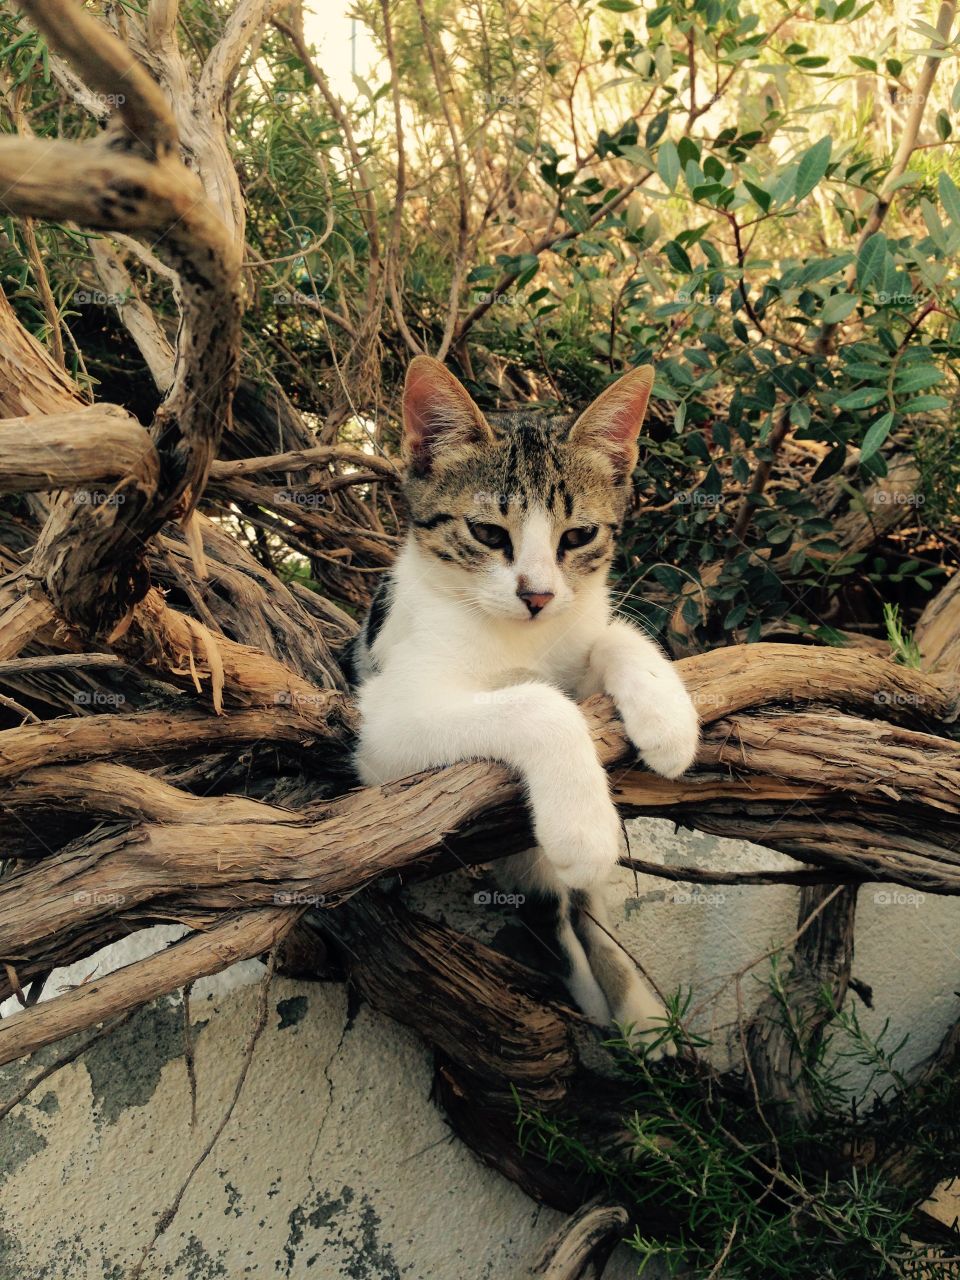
x=182, y=756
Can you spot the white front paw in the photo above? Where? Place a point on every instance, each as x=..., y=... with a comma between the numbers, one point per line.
x=666, y=736
x=674, y=753
x=583, y=841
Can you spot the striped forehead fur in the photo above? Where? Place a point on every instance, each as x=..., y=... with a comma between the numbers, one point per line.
x=528, y=463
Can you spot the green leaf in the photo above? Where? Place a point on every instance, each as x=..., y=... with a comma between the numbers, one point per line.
x=923, y=404
x=906, y=179
x=867, y=64
x=800, y=415
x=871, y=260
x=656, y=126
x=760, y=196
x=813, y=165
x=949, y=198
x=916, y=379
x=935, y=227
x=668, y=164
x=687, y=149
x=875, y=437
x=677, y=256
x=618, y=6
x=944, y=126
x=830, y=465
x=864, y=398
x=837, y=307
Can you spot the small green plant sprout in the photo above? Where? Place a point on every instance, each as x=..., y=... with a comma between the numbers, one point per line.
x=904, y=647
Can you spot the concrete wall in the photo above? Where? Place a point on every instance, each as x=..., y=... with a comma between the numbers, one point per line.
x=335, y=1162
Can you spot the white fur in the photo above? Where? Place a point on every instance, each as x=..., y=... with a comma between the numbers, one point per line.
x=463, y=672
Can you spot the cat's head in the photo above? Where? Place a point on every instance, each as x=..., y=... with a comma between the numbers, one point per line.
x=517, y=514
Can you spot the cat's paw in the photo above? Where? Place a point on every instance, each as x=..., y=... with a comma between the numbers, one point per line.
x=583, y=841
x=666, y=737
x=651, y=1043
x=643, y=1021
x=674, y=752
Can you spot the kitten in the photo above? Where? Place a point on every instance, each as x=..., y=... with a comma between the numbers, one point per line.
x=495, y=619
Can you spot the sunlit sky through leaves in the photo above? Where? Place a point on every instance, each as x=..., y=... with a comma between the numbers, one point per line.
x=343, y=46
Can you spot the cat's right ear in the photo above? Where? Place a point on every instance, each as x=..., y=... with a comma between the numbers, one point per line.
x=438, y=414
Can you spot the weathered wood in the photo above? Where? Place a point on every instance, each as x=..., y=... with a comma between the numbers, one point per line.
x=938, y=630
x=71, y=900
x=579, y=1250
x=105, y=63
x=303, y=459
x=88, y=559
x=99, y=444
x=231, y=939
x=786, y=1029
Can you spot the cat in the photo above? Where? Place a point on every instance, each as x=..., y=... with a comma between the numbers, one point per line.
x=494, y=619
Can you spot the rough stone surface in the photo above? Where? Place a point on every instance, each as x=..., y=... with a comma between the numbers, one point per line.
x=335, y=1162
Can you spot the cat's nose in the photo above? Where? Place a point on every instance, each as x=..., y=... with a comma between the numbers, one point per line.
x=535, y=600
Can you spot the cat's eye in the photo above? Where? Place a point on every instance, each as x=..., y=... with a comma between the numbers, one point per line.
x=490, y=535
x=573, y=538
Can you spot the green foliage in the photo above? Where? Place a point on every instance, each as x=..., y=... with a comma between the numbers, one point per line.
x=902, y=643
x=594, y=185
x=719, y=1188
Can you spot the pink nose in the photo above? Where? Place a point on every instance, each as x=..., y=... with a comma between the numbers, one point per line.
x=535, y=600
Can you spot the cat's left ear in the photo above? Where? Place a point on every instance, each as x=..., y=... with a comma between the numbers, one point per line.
x=612, y=423
x=438, y=414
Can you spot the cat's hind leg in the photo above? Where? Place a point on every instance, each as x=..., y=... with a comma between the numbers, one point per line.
x=634, y=1005
x=548, y=939
x=569, y=935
